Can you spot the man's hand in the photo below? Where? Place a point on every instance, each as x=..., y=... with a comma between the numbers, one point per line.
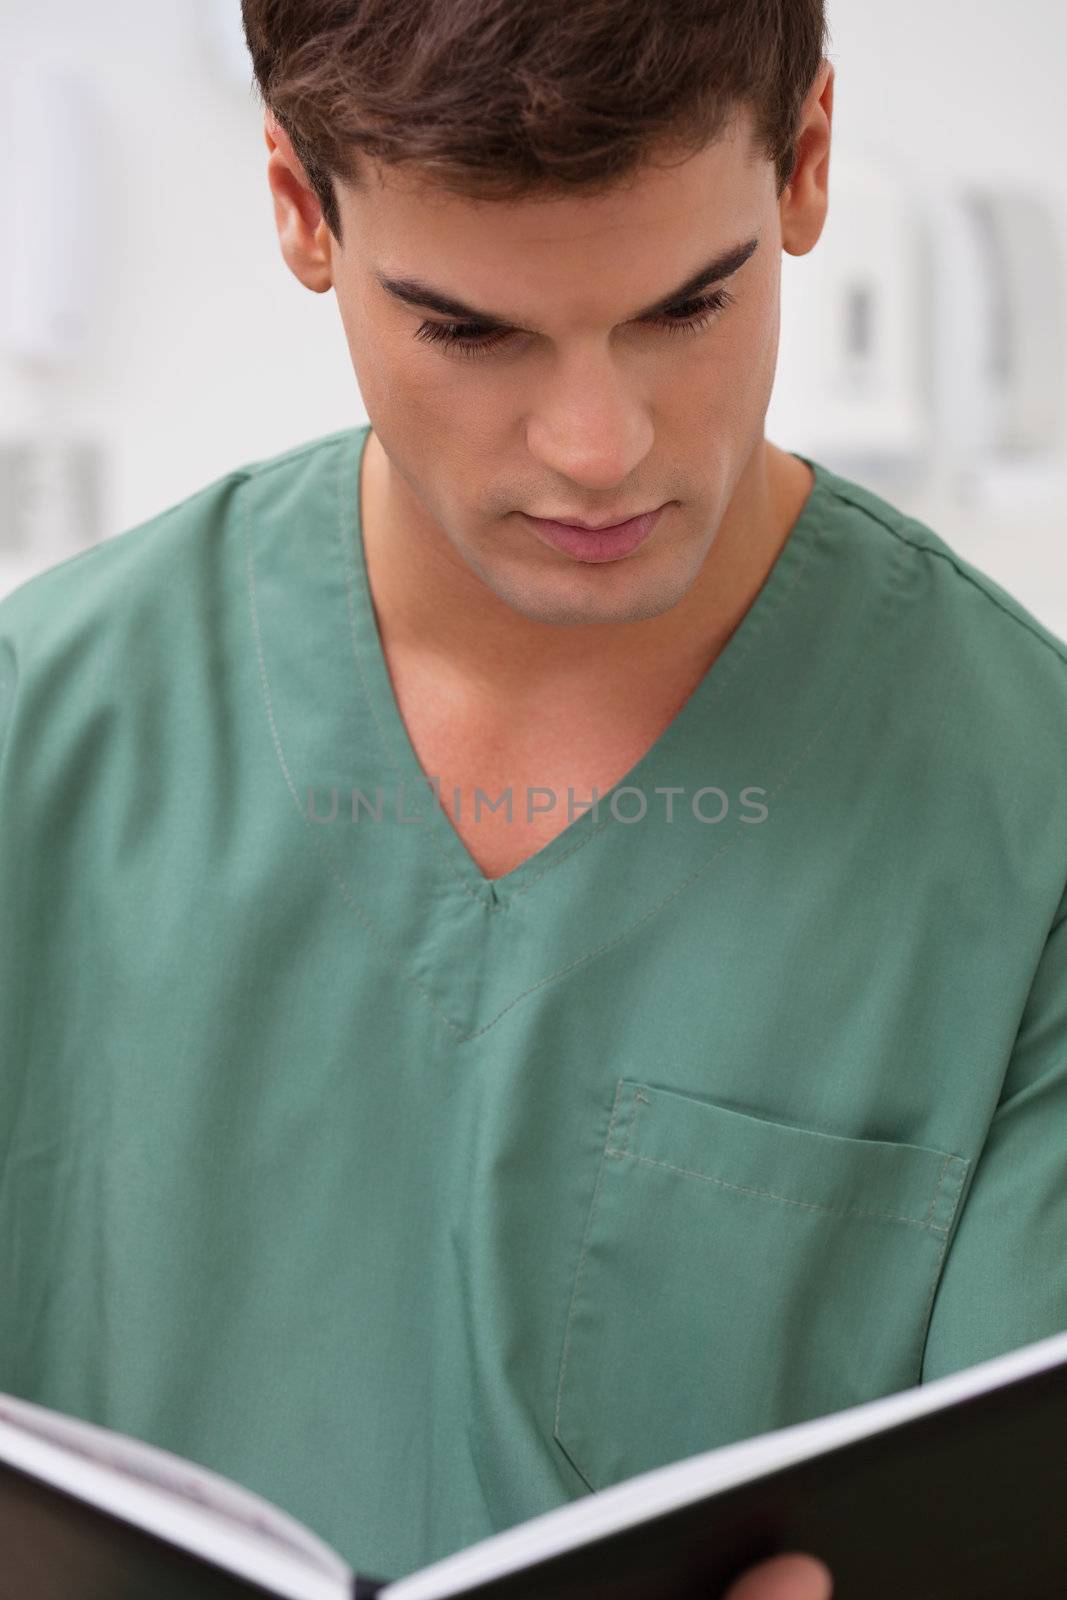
x=791, y=1577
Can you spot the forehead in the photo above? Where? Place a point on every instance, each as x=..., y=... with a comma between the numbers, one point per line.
x=658, y=193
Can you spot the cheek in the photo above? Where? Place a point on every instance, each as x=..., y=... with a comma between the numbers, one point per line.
x=391, y=368
x=392, y=381
x=762, y=325
x=738, y=376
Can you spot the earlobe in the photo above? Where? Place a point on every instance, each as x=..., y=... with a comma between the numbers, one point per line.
x=304, y=254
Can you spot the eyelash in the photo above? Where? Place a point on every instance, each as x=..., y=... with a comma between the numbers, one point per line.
x=458, y=339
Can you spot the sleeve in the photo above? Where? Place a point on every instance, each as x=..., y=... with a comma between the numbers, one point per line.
x=1004, y=1280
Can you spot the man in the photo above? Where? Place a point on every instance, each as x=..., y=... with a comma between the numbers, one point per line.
x=423, y=1165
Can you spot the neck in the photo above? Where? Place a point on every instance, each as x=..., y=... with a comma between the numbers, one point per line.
x=429, y=603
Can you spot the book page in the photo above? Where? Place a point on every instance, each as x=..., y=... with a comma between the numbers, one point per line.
x=101, y=1466
x=641, y=1498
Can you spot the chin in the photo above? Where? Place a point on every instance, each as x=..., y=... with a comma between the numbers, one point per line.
x=605, y=592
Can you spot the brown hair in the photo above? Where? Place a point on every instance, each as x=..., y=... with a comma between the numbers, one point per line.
x=503, y=99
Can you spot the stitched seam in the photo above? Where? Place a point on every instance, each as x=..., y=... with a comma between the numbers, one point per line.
x=347, y=561
x=639, y=1100
x=581, y=1261
x=769, y=1194
x=260, y=469
x=953, y=560
x=937, y=1191
x=925, y=1323
x=279, y=752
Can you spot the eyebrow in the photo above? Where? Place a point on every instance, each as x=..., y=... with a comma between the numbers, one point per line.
x=416, y=292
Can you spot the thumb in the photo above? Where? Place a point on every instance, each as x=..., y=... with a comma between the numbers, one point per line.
x=789, y=1577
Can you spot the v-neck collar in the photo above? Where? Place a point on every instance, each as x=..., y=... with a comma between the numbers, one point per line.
x=651, y=768
x=479, y=952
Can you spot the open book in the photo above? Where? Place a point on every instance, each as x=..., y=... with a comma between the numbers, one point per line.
x=953, y=1490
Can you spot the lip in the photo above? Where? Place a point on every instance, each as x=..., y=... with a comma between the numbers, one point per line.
x=596, y=544
x=592, y=527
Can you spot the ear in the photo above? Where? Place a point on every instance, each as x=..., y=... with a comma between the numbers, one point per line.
x=302, y=233
x=804, y=204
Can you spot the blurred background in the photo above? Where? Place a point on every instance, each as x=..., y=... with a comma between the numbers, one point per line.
x=152, y=339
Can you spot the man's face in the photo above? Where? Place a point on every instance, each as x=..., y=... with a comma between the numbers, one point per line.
x=575, y=403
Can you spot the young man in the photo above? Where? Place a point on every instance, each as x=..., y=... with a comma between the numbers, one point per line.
x=423, y=1166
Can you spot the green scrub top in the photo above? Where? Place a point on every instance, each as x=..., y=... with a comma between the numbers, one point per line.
x=422, y=1203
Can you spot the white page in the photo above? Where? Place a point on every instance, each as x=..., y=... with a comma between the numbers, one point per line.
x=178, y=1499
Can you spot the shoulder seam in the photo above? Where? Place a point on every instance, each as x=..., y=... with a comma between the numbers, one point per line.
x=236, y=475
x=233, y=478
x=900, y=532
x=271, y=463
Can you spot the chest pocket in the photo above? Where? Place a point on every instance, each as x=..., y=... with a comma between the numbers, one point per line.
x=738, y=1275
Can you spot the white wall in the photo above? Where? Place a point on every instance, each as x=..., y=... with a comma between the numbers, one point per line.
x=968, y=94
x=208, y=353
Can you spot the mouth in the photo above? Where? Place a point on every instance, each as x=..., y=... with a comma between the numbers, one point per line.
x=594, y=527
x=588, y=544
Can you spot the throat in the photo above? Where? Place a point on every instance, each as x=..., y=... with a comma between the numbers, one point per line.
x=511, y=779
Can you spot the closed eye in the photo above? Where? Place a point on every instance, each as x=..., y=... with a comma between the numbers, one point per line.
x=468, y=338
